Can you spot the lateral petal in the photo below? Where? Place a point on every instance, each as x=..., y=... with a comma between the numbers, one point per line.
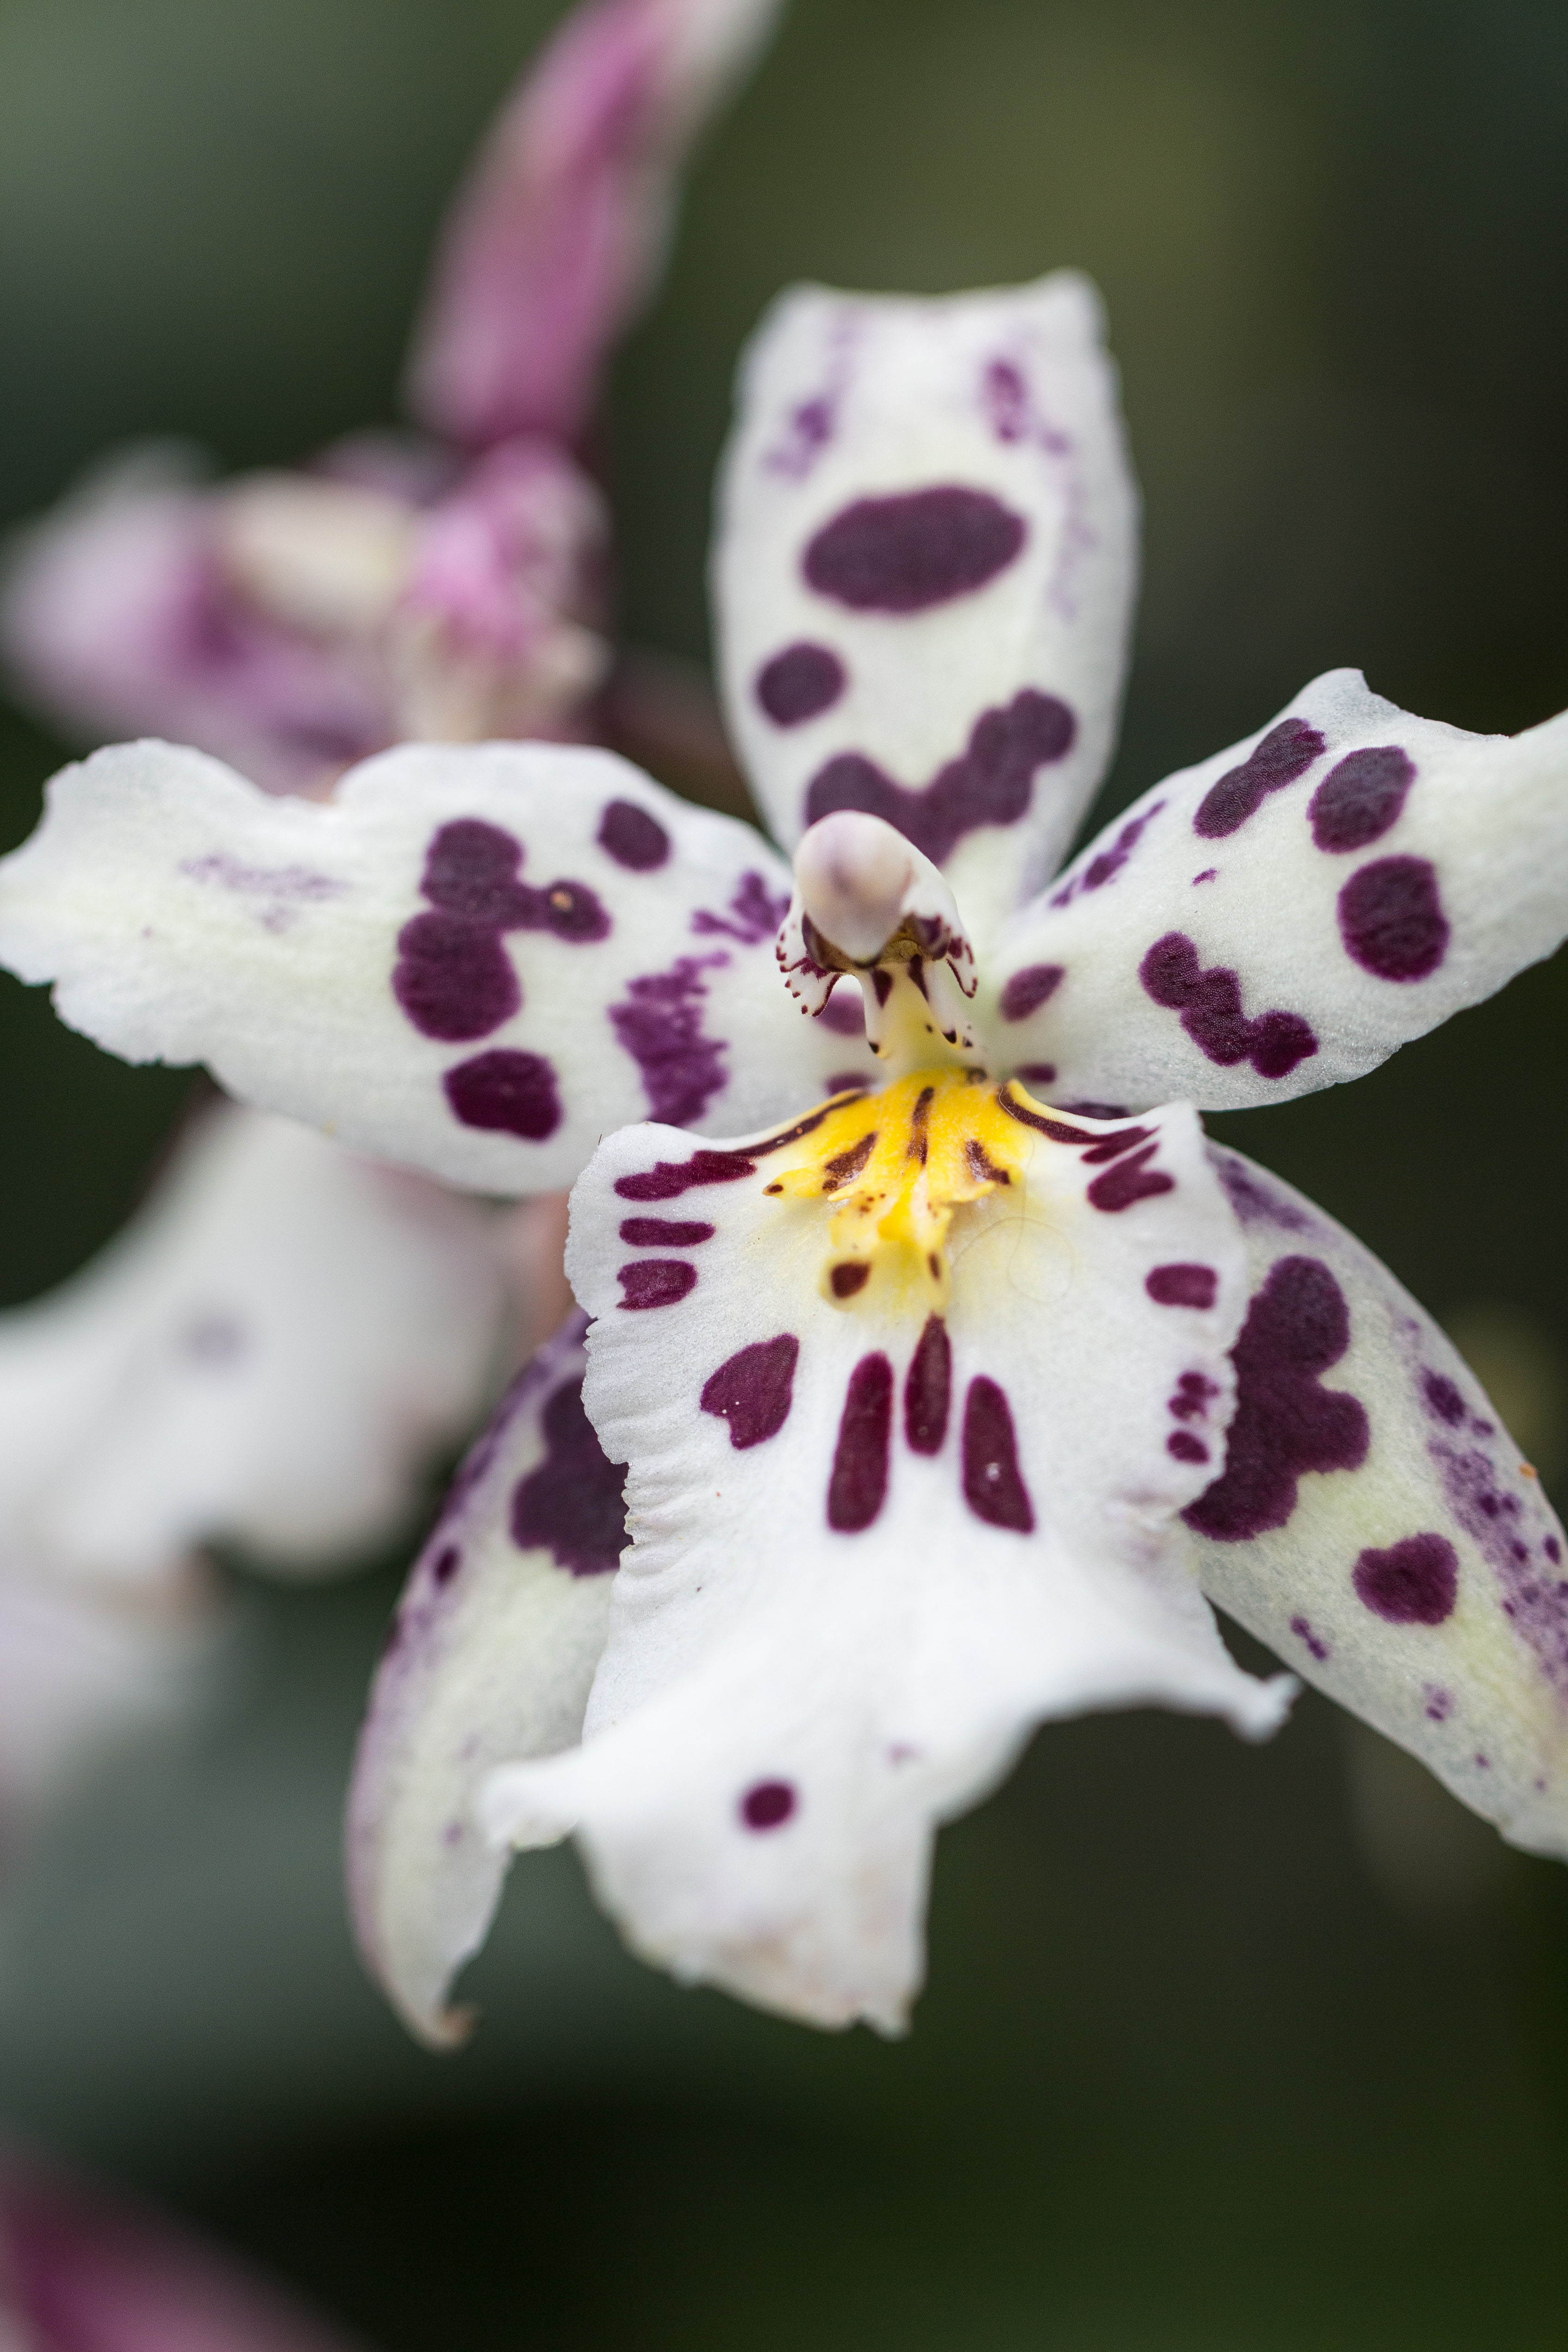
x=559, y=235
x=474, y=960
x=1376, y=1526
x=924, y=570
x=873, y=1545
x=271, y=1353
x=490, y=1657
x=1292, y=911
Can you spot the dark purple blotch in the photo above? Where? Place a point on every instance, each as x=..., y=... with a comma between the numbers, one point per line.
x=754, y=913
x=917, y=548
x=1360, y=799
x=1392, y=919
x=753, y=1389
x=513, y=1093
x=994, y=1485
x=1442, y=1398
x=845, y=1012
x=1128, y=1181
x=799, y=683
x=1027, y=990
x=1178, y=1285
x=1286, y=752
x=1210, y=1005
x=1285, y=1421
x=573, y=1502
x=1415, y=1583
x=656, y=1282
x=858, y=1485
x=659, y=1022
x=989, y=783
x=632, y=837
x=928, y=1388
x=453, y=980
x=453, y=977
x=768, y=1804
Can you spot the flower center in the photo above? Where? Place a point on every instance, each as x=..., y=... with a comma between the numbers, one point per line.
x=895, y=1166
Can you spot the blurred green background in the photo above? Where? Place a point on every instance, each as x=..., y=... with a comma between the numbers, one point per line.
x=1223, y=2048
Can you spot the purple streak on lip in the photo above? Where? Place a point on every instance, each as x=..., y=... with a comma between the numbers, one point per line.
x=1361, y=799
x=928, y=1388
x=663, y=1233
x=1183, y=1286
x=1392, y=919
x=1286, y=1422
x=1209, y=1003
x=993, y=1486
x=572, y=1503
x=650, y=1282
x=912, y=551
x=512, y=1093
x=752, y=1389
x=990, y=783
x=1130, y=1181
x=1286, y=752
x=859, y=1485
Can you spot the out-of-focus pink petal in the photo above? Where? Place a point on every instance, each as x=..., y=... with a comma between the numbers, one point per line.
x=559, y=234
x=116, y=618
x=78, y=2274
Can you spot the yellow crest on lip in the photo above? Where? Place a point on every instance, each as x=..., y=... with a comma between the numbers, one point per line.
x=896, y=1165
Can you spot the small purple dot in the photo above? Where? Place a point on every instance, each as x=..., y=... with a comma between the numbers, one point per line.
x=446, y=1564
x=768, y=1804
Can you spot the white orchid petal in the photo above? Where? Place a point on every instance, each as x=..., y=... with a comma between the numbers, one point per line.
x=491, y=1657
x=1376, y=1526
x=924, y=570
x=474, y=959
x=272, y=1352
x=1293, y=910
x=874, y=1544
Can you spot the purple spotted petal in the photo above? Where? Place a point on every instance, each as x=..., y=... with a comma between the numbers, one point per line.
x=1290, y=913
x=1376, y=1525
x=555, y=243
x=490, y=1656
x=871, y=1547
x=923, y=569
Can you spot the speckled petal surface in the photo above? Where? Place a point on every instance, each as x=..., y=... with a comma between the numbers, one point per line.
x=490, y=1657
x=272, y=1352
x=559, y=235
x=474, y=960
x=1290, y=913
x=1377, y=1526
x=875, y=1539
x=923, y=572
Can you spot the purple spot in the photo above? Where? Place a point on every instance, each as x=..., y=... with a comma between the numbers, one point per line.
x=632, y=837
x=663, y=1233
x=808, y=431
x=754, y=913
x=928, y=1388
x=1286, y=1422
x=753, y=1390
x=859, y=1485
x=1210, y=1005
x=1358, y=801
x=453, y=980
x=994, y=1487
x=1177, y=1286
x=1095, y=1109
x=1110, y=862
x=989, y=784
x=1114, y=1145
x=1007, y=397
x=1536, y=1605
x=659, y=1022
x=1029, y=989
x=768, y=1804
x=1439, y=1702
x=1392, y=919
x=1036, y=1074
x=1194, y=1392
x=572, y=1503
x=471, y=870
x=799, y=684
x=1286, y=752
x=1316, y=1648
x=656, y=1282
x=515, y=1092
x=446, y=1564
x=845, y=1012
x=1413, y=1582
x=1442, y=1398
x=1128, y=1181
x=1186, y=1447
x=667, y=1179
x=1254, y=1203
x=849, y=1279
x=1210, y=874
x=846, y=1081
x=914, y=550
x=1553, y=1549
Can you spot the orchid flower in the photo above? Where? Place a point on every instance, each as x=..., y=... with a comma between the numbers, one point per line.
x=284, y=1338
x=82, y=2274
x=950, y=1376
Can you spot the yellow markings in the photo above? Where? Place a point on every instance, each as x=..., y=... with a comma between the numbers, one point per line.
x=895, y=1166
